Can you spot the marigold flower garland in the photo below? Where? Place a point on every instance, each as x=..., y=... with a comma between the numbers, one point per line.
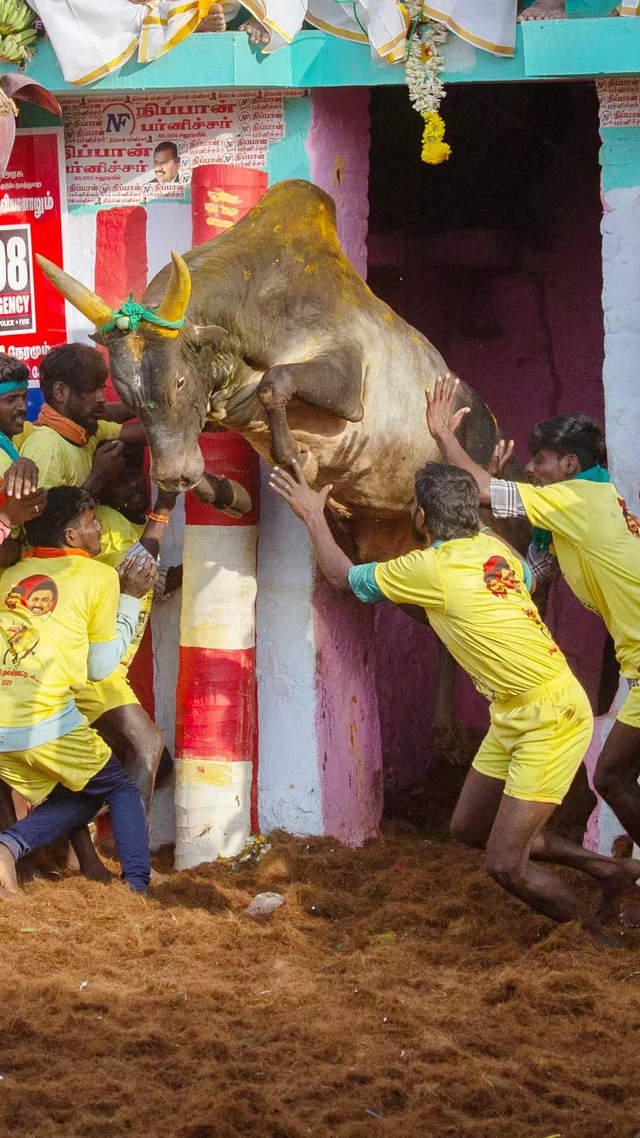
x=425, y=62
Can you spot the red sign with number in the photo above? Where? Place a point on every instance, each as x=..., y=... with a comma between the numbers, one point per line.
x=32, y=208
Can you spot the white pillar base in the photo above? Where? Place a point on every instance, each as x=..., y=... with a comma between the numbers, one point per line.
x=213, y=810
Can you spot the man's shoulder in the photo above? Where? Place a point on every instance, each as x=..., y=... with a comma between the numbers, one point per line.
x=118, y=534
x=42, y=438
x=414, y=560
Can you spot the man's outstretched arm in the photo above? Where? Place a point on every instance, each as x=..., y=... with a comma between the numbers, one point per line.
x=309, y=506
x=443, y=423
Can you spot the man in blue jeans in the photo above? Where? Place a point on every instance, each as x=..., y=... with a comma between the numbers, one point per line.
x=65, y=618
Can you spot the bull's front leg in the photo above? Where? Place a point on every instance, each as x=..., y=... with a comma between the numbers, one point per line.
x=224, y=494
x=332, y=382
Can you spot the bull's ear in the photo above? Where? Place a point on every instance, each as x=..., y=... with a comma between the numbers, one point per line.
x=209, y=334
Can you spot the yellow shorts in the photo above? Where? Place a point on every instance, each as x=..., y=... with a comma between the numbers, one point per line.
x=71, y=760
x=97, y=698
x=537, y=740
x=630, y=711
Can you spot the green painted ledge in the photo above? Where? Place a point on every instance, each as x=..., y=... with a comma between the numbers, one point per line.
x=576, y=48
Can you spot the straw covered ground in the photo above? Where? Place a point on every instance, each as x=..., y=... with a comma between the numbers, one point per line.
x=397, y=992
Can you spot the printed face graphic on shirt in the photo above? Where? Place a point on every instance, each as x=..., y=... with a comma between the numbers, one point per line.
x=499, y=577
x=633, y=523
x=38, y=593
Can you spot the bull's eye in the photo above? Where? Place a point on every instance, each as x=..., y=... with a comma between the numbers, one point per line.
x=180, y=382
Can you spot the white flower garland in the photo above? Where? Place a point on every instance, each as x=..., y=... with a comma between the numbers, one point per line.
x=425, y=63
x=426, y=89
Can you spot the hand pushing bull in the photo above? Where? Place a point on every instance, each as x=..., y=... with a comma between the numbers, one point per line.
x=475, y=592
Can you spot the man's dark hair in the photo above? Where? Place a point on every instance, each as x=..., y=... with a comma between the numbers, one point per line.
x=168, y=146
x=450, y=500
x=64, y=506
x=12, y=370
x=82, y=368
x=133, y=457
x=570, y=434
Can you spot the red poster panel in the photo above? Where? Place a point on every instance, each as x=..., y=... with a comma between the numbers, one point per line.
x=32, y=215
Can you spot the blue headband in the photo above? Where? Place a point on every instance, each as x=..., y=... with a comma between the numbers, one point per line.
x=10, y=385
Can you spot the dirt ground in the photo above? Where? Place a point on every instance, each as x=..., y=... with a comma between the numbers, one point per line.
x=397, y=992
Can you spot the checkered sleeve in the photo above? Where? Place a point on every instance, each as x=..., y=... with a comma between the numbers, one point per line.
x=505, y=499
x=542, y=564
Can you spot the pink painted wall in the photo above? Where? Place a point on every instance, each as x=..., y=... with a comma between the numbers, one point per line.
x=509, y=290
x=347, y=724
x=338, y=147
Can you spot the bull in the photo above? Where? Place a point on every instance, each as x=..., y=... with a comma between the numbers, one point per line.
x=268, y=330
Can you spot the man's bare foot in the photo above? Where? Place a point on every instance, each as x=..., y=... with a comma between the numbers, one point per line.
x=215, y=21
x=83, y=856
x=544, y=10
x=620, y=892
x=601, y=937
x=8, y=880
x=256, y=31
x=629, y=908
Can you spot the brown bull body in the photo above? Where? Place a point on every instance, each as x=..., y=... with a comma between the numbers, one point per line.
x=284, y=342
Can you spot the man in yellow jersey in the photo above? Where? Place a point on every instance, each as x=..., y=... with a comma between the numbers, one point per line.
x=581, y=523
x=474, y=592
x=69, y=618
x=14, y=384
x=17, y=475
x=111, y=705
x=65, y=442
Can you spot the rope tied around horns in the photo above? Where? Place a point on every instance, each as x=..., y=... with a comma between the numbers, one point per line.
x=130, y=315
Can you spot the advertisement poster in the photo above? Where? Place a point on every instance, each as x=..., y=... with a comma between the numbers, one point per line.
x=142, y=147
x=32, y=211
x=619, y=101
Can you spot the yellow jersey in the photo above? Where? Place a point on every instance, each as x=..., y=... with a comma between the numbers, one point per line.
x=61, y=463
x=596, y=539
x=18, y=441
x=474, y=594
x=118, y=536
x=51, y=608
x=6, y=461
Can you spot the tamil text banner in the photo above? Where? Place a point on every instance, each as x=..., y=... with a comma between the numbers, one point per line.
x=139, y=148
x=32, y=209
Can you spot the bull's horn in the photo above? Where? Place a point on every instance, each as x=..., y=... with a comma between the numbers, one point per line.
x=174, y=303
x=90, y=305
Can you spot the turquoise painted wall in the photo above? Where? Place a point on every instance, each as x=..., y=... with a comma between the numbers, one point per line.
x=620, y=157
x=289, y=158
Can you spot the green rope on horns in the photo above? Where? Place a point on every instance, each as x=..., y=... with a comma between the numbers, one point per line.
x=130, y=315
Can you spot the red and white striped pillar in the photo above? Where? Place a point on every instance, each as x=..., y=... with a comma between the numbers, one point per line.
x=121, y=268
x=216, y=700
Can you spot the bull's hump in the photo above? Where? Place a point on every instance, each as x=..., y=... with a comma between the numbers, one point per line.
x=294, y=217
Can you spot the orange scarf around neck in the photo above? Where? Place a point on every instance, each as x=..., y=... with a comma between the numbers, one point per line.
x=64, y=427
x=54, y=551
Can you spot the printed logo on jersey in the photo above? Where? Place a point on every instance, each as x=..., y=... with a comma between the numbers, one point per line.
x=499, y=577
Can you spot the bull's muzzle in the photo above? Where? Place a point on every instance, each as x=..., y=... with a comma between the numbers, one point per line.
x=177, y=476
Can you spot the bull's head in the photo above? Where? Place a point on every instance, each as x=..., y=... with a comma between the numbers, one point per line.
x=163, y=367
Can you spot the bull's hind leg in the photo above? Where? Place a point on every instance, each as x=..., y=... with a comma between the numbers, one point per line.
x=332, y=382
